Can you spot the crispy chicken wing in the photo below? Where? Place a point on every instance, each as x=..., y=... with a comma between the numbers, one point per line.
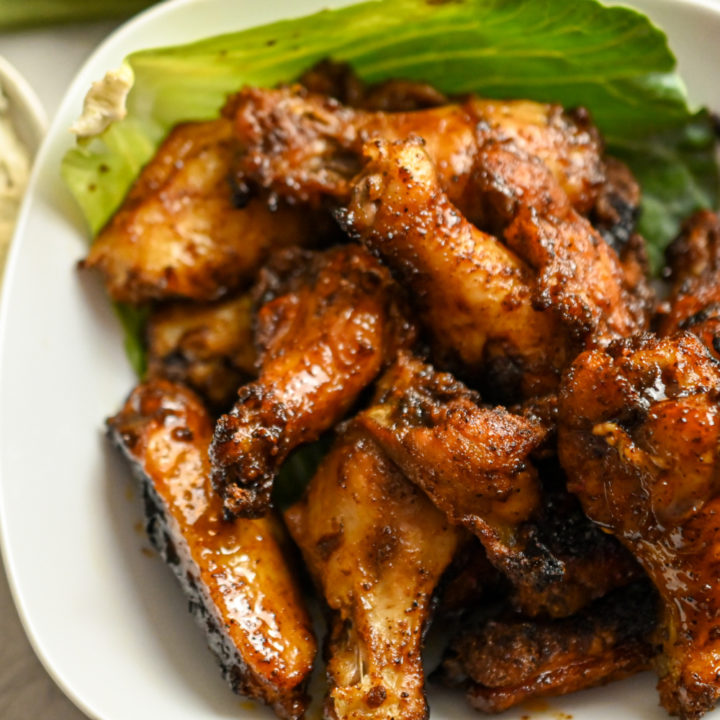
x=178, y=233
x=639, y=437
x=474, y=295
x=209, y=347
x=328, y=323
x=308, y=147
x=511, y=659
x=514, y=194
x=376, y=547
x=241, y=588
x=694, y=262
x=473, y=462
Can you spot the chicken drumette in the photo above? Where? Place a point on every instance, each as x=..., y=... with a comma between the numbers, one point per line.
x=639, y=438
x=376, y=547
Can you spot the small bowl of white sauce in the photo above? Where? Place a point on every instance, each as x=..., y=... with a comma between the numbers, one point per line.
x=22, y=126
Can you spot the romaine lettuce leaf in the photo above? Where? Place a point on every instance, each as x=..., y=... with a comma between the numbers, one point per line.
x=610, y=59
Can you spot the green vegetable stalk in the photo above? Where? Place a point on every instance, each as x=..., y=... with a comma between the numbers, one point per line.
x=24, y=13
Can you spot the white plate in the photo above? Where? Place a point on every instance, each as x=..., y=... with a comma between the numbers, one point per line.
x=108, y=622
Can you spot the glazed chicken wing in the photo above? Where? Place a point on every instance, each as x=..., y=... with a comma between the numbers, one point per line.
x=376, y=547
x=639, y=437
x=327, y=324
x=209, y=347
x=474, y=296
x=694, y=261
x=308, y=147
x=474, y=464
x=179, y=234
x=241, y=588
x=511, y=659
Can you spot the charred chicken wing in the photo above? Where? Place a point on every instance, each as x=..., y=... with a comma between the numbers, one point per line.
x=178, y=234
x=327, y=324
x=639, y=437
x=308, y=147
x=474, y=295
x=241, y=588
x=376, y=547
x=511, y=659
x=474, y=464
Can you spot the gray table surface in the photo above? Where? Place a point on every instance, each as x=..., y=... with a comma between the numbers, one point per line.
x=26, y=691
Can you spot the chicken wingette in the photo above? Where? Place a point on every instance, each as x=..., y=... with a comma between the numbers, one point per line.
x=376, y=547
x=207, y=346
x=511, y=659
x=327, y=324
x=241, y=586
x=180, y=233
x=639, y=438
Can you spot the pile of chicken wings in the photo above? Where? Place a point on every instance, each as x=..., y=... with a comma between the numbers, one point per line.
x=449, y=297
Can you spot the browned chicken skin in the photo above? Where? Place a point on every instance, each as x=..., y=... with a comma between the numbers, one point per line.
x=474, y=464
x=512, y=659
x=308, y=147
x=639, y=437
x=339, y=81
x=209, y=347
x=376, y=547
x=474, y=296
x=178, y=233
x=241, y=588
x=329, y=323
x=694, y=262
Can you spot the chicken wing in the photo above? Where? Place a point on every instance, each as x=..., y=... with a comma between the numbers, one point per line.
x=512, y=659
x=376, y=547
x=474, y=296
x=308, y=147
x=577, y=274
x=209, y=347
x=241, y=589
x=639, y=437
x=694, y=262
x=473, y=462
x=327, y=324
x=179, y=234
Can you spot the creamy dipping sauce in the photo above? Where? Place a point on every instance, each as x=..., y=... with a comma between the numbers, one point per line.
x=14, y=174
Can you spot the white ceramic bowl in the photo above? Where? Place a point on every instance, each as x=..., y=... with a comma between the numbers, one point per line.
x=109, y=623
x=26, y=112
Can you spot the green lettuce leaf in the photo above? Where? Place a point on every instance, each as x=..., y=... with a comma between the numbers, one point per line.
x=612, y=60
